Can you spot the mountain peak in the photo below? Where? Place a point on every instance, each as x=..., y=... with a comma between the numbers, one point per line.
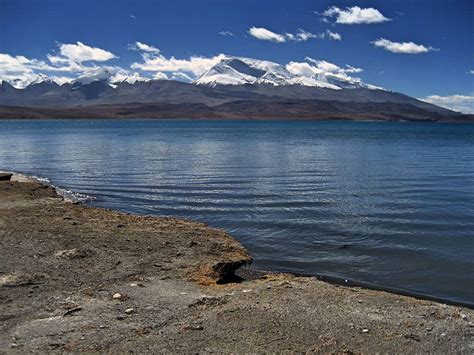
x=240, y=70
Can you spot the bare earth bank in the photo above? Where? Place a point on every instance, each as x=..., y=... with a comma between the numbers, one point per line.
x=77, y=278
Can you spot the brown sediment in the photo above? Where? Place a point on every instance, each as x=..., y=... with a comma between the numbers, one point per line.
x=62, y=266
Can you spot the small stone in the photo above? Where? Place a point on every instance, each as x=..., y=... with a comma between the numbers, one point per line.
x=120, y=317
x=365, y=330
x=117, y=296
x=269, y=287
x=246, y=291
x=183, y=293
x=133, y=285
x=129, y=311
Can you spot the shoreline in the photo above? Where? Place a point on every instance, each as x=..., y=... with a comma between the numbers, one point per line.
x=243, y=119
x=48, y=244
x=74, y=197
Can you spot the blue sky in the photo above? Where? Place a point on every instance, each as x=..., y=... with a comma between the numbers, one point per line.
x=420, y=48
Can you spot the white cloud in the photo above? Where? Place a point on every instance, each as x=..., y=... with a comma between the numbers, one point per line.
x=158, y=63
x=21, y=71
x=139, y=46
x=333, y=35
x=194, y=65
x=321, y=68
x=79, y=52
x=300, y=36
x=351, y=69
x=226, y=33
x=355, y=15
x=402, y=47
x=460, y=103
x=160, y=76
x=266, y=35
x=471, y=71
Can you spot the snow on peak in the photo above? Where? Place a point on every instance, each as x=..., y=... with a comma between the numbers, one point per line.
x=239, y=70
x=41, y=78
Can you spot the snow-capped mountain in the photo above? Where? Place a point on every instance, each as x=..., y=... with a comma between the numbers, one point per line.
x=234, y=87
x=240, y=71
x=110, y=77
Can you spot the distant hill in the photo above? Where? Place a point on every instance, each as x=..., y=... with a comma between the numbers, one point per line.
x=233, y=88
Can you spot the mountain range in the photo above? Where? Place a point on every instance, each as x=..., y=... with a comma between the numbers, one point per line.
x=233, y=88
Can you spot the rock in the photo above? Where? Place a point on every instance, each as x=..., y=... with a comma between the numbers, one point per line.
x=412, y=337
x=120, y=317
x=129, y=311
x=72, y=253
x=16, y=279
x=117, y=296
x=365, y=330
x=5, y=176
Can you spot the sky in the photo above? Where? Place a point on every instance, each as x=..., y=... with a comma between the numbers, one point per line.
x=423, y=48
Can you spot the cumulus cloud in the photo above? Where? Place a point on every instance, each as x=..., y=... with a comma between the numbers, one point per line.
x=333, y=35
x=72, y=61
x=266, y=35
x=154, y=61
x=79, y=52
x=355, y=15
x=460, y=103
x=21, y=71
x=402, y=47
x=139, y=46
x=226, y=33
x=160, y=76
x=320, y=68
x=300, y=36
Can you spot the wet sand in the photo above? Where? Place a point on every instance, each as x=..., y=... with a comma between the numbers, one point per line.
x=78, y=278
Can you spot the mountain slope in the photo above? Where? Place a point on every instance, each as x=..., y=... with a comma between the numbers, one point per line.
x=244, y=109
x=234, y=87
x=240, y=71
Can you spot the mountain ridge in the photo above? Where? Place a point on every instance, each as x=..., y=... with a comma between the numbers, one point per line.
x=244, y=84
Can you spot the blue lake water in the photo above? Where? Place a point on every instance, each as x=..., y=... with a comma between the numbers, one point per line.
x=390, y=204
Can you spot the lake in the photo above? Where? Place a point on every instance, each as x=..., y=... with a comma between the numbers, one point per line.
x=389, y=204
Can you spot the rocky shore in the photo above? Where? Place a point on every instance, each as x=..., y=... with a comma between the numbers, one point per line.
x=78, y=278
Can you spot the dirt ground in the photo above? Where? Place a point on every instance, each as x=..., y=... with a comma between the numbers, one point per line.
x=77, y=278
